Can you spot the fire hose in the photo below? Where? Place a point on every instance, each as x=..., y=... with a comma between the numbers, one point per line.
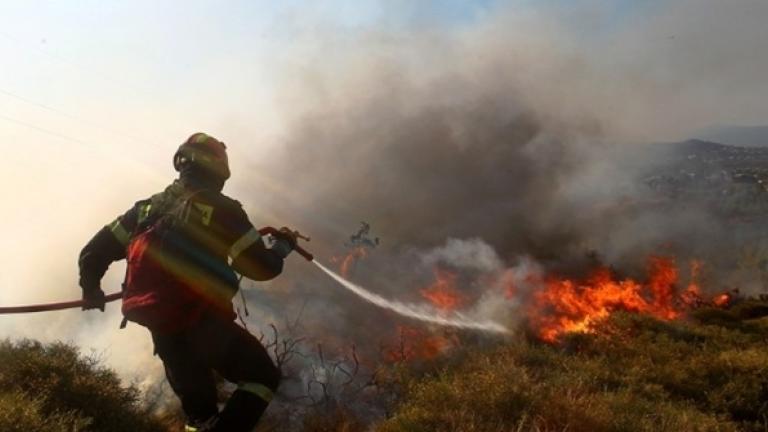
x=45, y=307
x=410, y=310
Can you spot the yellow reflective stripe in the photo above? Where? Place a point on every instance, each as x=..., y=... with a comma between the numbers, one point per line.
x=259, y=390
x=251, y=237
x=188, y=428
x=206, y=213
x=144, y=212
x=120, y=233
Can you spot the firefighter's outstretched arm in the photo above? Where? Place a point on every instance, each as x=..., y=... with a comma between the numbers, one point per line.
x=252, y=259
x=106, y=247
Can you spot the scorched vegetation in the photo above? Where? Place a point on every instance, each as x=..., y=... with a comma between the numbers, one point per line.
x=633, y=373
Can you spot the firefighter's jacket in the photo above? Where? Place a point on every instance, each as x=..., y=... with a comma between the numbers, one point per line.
x=218, y=240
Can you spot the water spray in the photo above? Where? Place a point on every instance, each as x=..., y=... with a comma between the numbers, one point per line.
x=421, y=312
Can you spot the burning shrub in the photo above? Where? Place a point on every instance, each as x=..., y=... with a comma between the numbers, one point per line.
x=561, y=306
x=53, y=388
x=633, y=372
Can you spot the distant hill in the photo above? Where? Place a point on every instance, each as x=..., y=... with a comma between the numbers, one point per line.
x=744, y=136
x=732, y=179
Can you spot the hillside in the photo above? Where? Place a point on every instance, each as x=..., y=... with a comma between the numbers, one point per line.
x=746, y=136
x=707, y=371
x=634, y=374
x=723, y=175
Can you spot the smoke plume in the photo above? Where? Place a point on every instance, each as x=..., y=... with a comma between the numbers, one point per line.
x=510, y=144
x=522, y=131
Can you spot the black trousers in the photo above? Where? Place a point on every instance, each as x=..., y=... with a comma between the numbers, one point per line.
x=217, y=344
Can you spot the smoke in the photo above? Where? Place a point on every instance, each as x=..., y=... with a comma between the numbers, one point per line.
x=520, y=135
x=504, y=146
x=469, y=254
x=506, y=131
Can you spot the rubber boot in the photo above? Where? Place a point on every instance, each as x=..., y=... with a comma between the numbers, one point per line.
x=202, y=427
x=242, y=412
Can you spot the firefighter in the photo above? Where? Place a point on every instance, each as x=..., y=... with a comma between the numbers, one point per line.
x=183, y=247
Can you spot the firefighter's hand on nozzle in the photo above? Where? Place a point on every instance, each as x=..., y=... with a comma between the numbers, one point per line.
x=93, y=298
x=285, y=242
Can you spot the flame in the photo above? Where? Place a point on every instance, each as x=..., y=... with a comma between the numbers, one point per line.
x=442, y=293
x=691, y=297
x=347, y=262
x=415, y=344
x=722, y=300
x=564, y=305
x=510, y=291
x=557, y=306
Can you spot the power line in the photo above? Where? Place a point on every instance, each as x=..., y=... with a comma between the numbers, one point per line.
x=60, y=136
x=57, y=58
x=62, y=59
x=44, y=130
x=71, y=116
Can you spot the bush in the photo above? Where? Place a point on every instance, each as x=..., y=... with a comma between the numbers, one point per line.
x=19, y=413
x=51, y=387
x=634, y=374
x=337, y=420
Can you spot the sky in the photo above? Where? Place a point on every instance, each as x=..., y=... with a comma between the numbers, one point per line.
x=94, y=98
x=96, y=95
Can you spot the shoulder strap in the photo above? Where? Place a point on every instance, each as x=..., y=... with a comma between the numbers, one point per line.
x=160, y=206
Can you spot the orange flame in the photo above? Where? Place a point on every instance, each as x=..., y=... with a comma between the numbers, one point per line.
x=722, y=300
x=564, y=306
x=415, y=344
x=348, y=261
x=691, y=297
x=442, y=293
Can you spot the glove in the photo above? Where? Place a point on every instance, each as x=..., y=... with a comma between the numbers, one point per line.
x=93, y=297
x=285, y=242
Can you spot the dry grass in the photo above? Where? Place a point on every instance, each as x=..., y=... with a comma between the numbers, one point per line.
x=636, y=374
x=51, y=387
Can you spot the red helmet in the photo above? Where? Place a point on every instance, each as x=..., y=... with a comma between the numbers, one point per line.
x=204, y=152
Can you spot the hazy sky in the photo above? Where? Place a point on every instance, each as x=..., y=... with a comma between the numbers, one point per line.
x=96, y=95
x=94, y=98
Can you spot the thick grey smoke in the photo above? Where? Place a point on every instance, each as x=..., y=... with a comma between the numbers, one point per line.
x=524, y=130
x=512, y=136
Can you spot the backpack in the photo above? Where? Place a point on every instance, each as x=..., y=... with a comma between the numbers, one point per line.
x=162, y=281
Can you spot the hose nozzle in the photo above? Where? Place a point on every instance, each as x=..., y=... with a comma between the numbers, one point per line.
x=301, y=251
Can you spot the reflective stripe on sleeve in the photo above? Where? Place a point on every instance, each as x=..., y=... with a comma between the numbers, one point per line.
x=259, y=390
x=188, y=428
x=249, y=238
x=120, y=233
x=144, y=212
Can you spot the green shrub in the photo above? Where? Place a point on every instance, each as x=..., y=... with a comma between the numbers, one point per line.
x=337, y=420
x=19, y=413
x=52, y=387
